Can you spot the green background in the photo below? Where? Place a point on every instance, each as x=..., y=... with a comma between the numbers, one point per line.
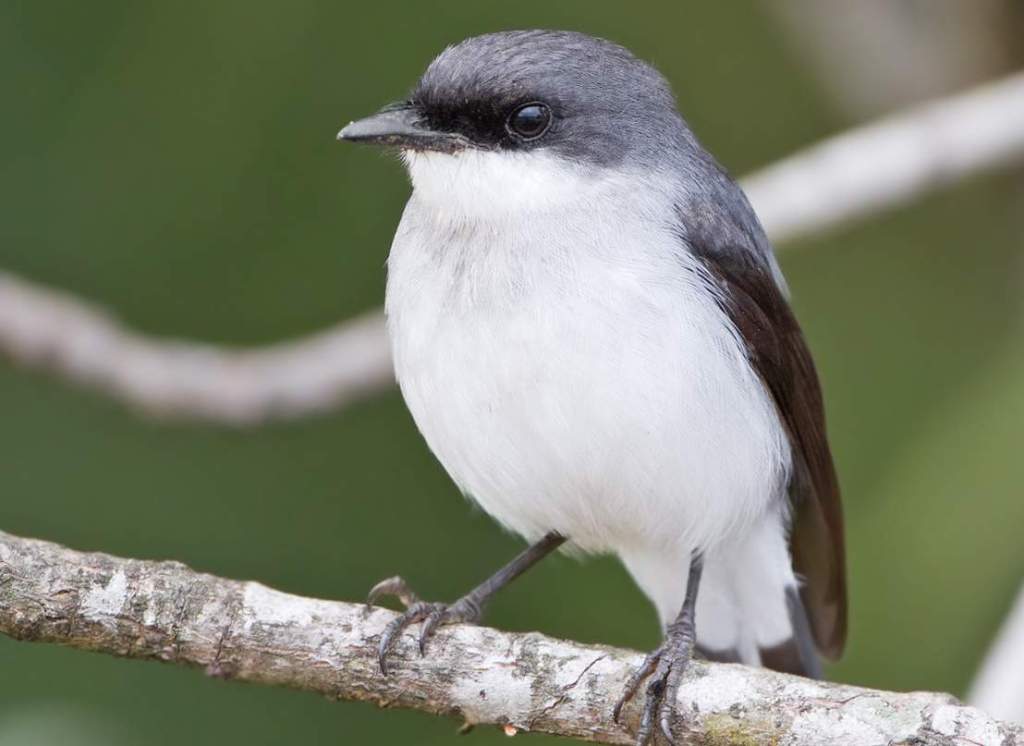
x=176, y=163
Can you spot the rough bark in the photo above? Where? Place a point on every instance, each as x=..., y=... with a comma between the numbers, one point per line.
x=523, y=682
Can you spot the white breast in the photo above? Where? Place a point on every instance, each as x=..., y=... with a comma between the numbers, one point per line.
x=571, y=370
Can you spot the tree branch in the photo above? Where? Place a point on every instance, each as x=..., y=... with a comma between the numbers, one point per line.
x=54, y=331
x=890, y=162
x=246, y=631
x=842, y=179
x=999, y=685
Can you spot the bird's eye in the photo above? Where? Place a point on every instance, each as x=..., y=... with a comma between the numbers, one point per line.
x=530, y=121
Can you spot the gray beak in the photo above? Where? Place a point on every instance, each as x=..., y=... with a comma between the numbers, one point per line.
x=402, y=126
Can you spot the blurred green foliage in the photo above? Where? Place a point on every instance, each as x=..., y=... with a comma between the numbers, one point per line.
x=176, y=163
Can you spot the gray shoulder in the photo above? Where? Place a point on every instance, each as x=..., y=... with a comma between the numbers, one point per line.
x=716, y=221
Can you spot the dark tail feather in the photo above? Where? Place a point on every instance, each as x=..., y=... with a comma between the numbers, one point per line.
x=797, y=655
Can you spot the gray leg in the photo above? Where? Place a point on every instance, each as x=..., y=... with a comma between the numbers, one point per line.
x=666, y=665
x=469, y=608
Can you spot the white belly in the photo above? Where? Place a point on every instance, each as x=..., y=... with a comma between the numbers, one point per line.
x=585, y=391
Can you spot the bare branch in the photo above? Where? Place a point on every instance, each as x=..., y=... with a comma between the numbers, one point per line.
x=999, y=685
x=41, y=328
x=891, y=162
x=523, y=682
x=844, y=178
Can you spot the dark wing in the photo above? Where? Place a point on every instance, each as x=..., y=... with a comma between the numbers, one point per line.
x=722, y=231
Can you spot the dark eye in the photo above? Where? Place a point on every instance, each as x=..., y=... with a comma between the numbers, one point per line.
x=530, y=121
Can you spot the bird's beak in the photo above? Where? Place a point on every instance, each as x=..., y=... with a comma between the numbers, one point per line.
x=402, y=126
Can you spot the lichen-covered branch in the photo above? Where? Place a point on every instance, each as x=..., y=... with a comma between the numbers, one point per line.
x=846, y=177
x=524, y=682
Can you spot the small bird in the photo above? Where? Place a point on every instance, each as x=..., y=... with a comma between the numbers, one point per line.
x=592, y=334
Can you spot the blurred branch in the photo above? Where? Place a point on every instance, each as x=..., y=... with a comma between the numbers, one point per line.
x=892, y=161
x=844, y=178
x=999, y=685
x=246, y=631
x=42, y=328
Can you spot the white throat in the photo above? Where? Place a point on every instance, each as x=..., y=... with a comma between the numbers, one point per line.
x=480, y=185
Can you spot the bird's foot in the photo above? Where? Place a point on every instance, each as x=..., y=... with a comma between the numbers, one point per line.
x=665, y=666
x=433, y=615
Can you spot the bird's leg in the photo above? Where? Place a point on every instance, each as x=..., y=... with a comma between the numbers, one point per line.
x=469, y=608
x=666, y=665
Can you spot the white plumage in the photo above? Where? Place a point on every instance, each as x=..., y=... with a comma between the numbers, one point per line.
x=565, y=358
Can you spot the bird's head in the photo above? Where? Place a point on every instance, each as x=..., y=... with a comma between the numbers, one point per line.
x=520, y=120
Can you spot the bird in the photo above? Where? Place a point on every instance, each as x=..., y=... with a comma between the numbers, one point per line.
x=592, y=333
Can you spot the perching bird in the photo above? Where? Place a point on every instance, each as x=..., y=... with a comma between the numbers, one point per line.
x=592, y=333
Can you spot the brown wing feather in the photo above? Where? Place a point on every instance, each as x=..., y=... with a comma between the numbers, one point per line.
x=779, y=353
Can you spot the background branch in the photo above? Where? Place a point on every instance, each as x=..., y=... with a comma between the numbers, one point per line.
x=42, y=328
x=842, y=179
x=999, y=685
x=892, y=161
x=246, y=631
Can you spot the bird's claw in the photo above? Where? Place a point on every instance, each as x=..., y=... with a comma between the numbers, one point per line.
x=665, y=666
x=393, y=586
x=433, y=615
x=642, y=671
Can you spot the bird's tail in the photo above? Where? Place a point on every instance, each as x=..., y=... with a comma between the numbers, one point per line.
x=795, y=654
x=754, y=613
x=748, y=606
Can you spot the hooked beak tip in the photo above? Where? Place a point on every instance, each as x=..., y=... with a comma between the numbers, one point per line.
x=391, y=125
x=400, y=126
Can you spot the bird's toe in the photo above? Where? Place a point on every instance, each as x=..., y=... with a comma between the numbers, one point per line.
x=396, y=587
x=434, y=619
x=642, y=671
x=664, y=667
x=415, y=613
